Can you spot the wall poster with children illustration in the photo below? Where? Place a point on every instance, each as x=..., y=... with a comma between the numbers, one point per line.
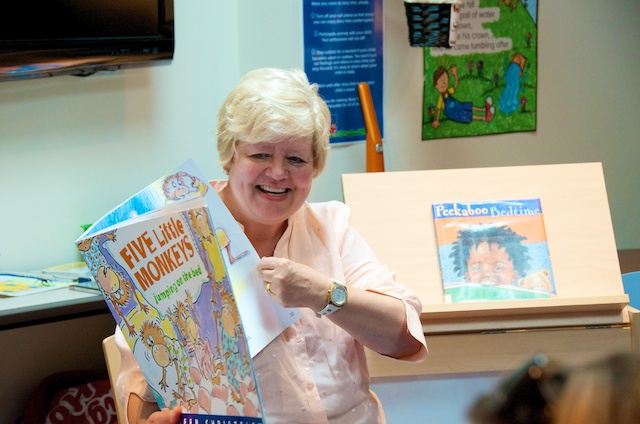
x=486, y=83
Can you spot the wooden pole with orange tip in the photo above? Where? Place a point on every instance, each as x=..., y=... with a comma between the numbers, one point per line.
x=374, y=152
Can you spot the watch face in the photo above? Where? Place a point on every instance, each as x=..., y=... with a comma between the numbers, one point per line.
x=338, y=295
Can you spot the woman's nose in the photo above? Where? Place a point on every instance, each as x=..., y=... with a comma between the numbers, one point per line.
x=277, y=169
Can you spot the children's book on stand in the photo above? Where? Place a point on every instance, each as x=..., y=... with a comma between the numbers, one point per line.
x=178, y=275
x=493, y=250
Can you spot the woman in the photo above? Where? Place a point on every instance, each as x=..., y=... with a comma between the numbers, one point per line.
x=273, y=135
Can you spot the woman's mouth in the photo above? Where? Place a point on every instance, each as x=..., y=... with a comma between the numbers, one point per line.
x=272, y=191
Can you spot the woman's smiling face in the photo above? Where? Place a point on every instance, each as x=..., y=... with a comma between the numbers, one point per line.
x=270, y=181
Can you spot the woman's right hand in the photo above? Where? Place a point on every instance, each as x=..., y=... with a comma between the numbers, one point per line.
x=141, y=412
x=169, y=416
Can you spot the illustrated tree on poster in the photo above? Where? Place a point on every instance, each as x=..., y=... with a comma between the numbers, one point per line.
x=487, y=82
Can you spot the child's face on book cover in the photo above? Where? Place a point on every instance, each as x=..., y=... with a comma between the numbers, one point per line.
x=490, y=265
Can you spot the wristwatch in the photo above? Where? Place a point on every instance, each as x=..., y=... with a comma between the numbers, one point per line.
x=336, y=298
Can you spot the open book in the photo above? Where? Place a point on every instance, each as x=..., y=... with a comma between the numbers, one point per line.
x=178, y=275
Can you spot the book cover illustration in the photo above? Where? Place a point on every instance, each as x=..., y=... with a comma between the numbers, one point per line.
x=263, y=319
x=493, y=250
x=164, y=280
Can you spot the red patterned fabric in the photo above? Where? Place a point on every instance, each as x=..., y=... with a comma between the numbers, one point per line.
x=72, y=397
x=88, y=403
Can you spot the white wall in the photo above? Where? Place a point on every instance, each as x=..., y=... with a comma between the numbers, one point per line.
x=71, y=148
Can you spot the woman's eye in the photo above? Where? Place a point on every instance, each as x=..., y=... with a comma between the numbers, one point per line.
x=259, y=156
x=296, y=160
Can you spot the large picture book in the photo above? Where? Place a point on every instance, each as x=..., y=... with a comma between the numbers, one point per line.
x=493, y=250
x=178, y=275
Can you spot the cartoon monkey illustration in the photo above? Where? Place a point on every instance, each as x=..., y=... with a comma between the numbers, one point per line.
x=201, y=226
x=118, y=291
x=165, y=352
x=85, y=245
x=178, y=186
x=225, y=243
x=116, y=288
x=232, y=334
x=186, y=321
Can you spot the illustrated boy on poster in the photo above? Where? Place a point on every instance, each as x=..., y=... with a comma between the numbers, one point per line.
x=454, y=109
x=495, y=56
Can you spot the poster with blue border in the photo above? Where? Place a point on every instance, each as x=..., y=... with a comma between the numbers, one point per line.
x=342, y=48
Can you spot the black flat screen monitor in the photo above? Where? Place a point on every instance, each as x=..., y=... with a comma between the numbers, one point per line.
x=43, y=38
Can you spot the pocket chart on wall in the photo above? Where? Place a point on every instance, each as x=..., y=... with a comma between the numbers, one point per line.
x=486, y=83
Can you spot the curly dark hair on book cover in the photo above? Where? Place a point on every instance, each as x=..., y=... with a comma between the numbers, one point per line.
x=502, y=235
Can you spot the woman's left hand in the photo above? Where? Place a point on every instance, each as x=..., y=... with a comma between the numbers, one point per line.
x=292, y=284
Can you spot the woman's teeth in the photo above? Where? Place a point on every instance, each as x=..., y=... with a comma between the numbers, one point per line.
x=272, y=190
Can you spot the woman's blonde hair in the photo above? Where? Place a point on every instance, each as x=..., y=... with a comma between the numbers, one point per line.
x=271, y=105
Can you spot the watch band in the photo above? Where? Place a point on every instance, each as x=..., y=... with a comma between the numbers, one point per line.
x=328, y=310
x=332, y=307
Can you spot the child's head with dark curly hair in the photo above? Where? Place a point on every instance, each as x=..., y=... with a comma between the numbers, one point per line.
x=490, y=255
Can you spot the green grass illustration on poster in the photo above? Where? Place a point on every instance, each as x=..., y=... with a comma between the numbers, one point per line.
x=486, y=83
